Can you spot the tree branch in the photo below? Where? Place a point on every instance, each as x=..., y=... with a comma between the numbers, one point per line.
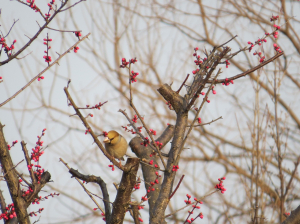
x=12, y=181
x=248, y=71
x=121, y=204
x=36, y=77
x=89, y=129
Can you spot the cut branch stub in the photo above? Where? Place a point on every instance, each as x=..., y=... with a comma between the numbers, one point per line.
x=171, y=96
x=143, y=153
x=167, y=135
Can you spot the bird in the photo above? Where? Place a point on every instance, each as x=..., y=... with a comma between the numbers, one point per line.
x=116, y=145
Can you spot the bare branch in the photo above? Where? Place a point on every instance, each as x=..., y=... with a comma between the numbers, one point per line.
x=207, y=122
x=82, y=185
x=176, y=187
x=11, y=28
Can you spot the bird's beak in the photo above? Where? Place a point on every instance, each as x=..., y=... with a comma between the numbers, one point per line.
x=106, y=140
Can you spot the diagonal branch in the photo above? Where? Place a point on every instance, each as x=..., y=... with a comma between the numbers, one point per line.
x=88, y=127
x=36, y=35
x=42, y=72
x=28, y=161
x=12, y=181
x=248, y=71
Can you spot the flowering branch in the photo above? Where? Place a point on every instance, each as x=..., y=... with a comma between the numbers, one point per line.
x=248, y=71
x=89, y=130
x=36, y=35
x=42, y=72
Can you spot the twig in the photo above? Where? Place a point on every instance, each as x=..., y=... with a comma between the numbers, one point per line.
x=37, y=8
x=179, y=210
x=24, y=56
x=207, y=122
x=190, y=204
x=176, y=187
x=36, y=221
x=226, y=42
x=247, y=47
x=183, y=83
x=13, y=167
x=151, y=166
x=292, y=177
x=11, y=28
x=84, y=108
x=21, y=176
x=132, y=124
x=37, y=76
x=73, y=5
x=64, y=30
x=68, y=83
x=28, y=161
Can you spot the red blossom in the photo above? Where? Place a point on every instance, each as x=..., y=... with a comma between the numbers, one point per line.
x=78, y=34
x=76, y=49
x=112, y=167
x=152, y=131
x=199, y=120
x=135, y=118
x=175, y=168
x=47, y=58
x=159, y=144
x=133, y=76
x=220, y=185
x=145, y=142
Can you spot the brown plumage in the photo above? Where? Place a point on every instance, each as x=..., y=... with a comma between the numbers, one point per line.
x=115, y=144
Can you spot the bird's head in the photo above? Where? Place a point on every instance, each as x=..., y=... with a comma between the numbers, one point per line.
x=112, y=137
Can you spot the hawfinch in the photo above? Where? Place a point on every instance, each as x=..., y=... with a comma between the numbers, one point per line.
x=115, y=144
